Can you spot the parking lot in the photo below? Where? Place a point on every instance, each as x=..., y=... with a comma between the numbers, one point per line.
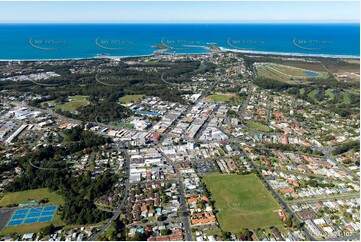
x=5, y=215
x=205, y=167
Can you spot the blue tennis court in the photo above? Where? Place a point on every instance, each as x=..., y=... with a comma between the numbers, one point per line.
x=21, y=211
x=32, y=215
x=50, y=208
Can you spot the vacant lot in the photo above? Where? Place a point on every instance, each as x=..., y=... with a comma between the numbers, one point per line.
x=242, y=201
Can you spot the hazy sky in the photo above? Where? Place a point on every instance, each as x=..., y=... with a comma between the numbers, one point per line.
x=178, y=12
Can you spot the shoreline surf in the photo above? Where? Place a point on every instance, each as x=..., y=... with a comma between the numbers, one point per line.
x=223, y=50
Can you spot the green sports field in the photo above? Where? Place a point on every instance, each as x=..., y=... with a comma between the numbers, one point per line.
x=74, y=103
x=25, y=196
x=219, y=97
x=242, y=202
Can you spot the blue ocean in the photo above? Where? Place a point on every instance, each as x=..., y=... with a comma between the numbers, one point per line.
x=67, y=41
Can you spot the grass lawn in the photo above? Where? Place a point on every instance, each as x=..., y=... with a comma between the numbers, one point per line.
x=298, y=72
x=123, y=125
x=257, y=126
x=242, y=202
x=346, y=98
x=212, y=231
x=74, y=103
x=37, y=194
x=219, y=97
x=130, y=98
x=302, y=91
x=78, y=98
x=289, y=70
x=313, y=94
x=269, y=72
x=284, y=73
x=329, y=92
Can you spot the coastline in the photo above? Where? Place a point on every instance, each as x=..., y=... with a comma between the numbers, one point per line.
x=223, y=50
x=295, y=54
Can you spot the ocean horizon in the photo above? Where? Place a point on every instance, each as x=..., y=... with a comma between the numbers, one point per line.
x=79, y=41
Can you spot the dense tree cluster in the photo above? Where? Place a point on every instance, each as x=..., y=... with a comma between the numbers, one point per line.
x=45, y=168
x=351, y=145
x=273, y=84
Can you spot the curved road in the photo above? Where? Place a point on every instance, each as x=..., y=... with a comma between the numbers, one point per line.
x=116, y=213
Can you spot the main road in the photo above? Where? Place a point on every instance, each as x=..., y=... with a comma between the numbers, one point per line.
x=116, y=213
x=275, y=194
x=184, y=210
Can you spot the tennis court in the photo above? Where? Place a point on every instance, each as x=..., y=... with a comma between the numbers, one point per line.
x=32, y=215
